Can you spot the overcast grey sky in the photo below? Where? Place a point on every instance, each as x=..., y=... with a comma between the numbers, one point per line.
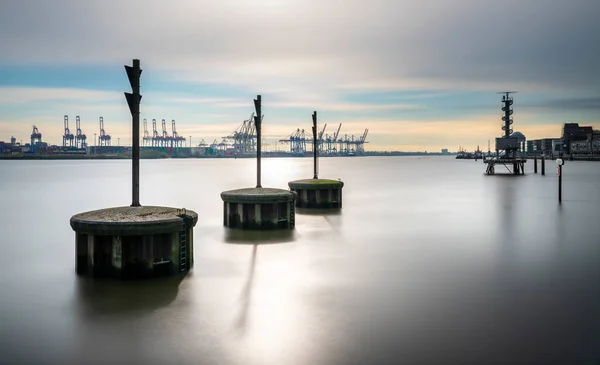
x=300, y=53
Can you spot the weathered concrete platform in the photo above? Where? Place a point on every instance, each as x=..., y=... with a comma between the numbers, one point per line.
x=317, y=193
x=134, y=242
x=258, y=208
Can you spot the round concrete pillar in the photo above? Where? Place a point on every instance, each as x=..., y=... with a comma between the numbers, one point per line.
x=258, y=209
x=134, y=242
x=317, y=193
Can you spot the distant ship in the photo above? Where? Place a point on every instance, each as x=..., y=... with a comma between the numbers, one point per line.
x=462, y=154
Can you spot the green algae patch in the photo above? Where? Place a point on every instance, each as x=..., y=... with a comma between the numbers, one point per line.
x=315, y=184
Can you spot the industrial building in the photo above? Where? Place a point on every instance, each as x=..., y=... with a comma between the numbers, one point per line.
x=575, y=140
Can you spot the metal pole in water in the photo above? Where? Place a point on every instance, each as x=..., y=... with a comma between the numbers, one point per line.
x=257, y=123
x=559, y=162
x=315, y=146
x=133, y=100
x=543, y=162
x=559, y=184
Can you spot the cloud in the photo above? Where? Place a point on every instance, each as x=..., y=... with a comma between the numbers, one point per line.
x=579, y=104
x=315, y=55
x=456, y=44
x=222, y=102
x=37, y=94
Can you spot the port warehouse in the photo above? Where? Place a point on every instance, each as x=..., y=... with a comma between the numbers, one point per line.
x=241, y=142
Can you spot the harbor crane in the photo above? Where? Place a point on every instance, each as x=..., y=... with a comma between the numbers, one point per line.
x=360, y=146
x=176, y=139
x=146, y=140
x=320, y=144
x=104, y=138
x=331, y=140
x=165, y=138
x=155, y=136
x=244, y=137
x=80, y=138
x=327, y=145
x=68, y=137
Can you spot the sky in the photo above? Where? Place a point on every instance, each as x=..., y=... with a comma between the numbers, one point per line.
x=420, y=75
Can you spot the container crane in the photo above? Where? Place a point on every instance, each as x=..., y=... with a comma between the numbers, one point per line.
x=165, y=136
x=331, y=141
x=176, y=138
x=103, y=139
x=146, y=140
x=155, y=137
x=297, y=141
x=67, y=139
x=360, y=145
x=320, y=139
x=80, y=138
x=244, y=137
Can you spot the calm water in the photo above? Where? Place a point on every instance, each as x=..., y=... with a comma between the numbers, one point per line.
x=430, y=262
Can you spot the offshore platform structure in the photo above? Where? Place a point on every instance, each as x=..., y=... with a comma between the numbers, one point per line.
x=68, y=137
x=103, y=139
x=36, y=139
x=507, y=143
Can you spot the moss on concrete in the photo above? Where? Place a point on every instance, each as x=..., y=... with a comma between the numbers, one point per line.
x=315, y=184
x=130, y=221
x=257, y=195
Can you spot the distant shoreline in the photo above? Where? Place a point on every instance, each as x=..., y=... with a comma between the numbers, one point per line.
x=164, y=156
x=153, y=157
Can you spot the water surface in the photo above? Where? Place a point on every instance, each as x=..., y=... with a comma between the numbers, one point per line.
x=429, y=262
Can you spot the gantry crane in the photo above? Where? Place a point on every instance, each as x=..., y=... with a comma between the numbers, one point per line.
x=320, y=144
x=244, y=137
x=155, y=136
x=165, y=136
x=178, y=140
x=80, y=138
x=104, y=138
x=146, y=140
x=68, y=137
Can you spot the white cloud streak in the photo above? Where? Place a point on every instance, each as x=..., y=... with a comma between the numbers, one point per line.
x=304, y=53
x=462, y=43
x=37, y=94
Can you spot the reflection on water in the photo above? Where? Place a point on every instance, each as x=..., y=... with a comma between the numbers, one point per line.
x=323, y=212
x=238, y=236
x=96, y=297
x=242, y=320
x=429, y=262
